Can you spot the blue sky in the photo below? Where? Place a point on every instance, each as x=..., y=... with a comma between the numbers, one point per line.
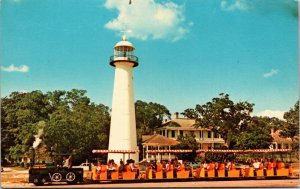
x=189, y=50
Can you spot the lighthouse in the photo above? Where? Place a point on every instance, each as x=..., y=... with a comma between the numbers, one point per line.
x=122, y=134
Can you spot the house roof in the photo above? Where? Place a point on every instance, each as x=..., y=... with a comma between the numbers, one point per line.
x=181, y=122
x=278, y=139
x=206, y=141
x=158, y=140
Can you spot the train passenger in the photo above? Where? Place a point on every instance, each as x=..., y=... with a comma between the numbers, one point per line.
x=265, y=163
x=122, y=166
x=165, y=168
x=111, y=165
x=228, y=165
x=134, y=168
x=216, y=165
x=204, y=165
x=256, y=164
x=98, y=169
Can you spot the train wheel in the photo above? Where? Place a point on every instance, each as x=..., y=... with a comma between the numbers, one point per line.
x=56, y=177
x=71, y=178
x=38, y=182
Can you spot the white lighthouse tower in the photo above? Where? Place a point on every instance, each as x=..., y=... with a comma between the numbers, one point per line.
x=123, y=128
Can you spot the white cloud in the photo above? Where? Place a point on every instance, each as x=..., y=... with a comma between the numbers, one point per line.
x=271, y=113
x=13, y=68
x=148, y=19
x=270, y=73
x=241, y=5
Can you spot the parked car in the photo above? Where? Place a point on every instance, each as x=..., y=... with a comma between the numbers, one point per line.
x=85, y=166
x=193, y=164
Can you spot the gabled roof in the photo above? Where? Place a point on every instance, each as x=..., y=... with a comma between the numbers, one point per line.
x=158, y=140
x=181, y=122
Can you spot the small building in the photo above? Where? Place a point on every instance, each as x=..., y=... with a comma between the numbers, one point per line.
x=157, y=142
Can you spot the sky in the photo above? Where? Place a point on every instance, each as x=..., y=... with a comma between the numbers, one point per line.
x=189, y=51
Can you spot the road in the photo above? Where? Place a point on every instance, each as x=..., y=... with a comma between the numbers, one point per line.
x=287, y=183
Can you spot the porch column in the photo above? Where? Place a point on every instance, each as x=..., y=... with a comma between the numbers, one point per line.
x=169, y=153
x=147, y=155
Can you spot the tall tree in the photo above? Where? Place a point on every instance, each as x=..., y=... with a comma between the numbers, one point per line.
x=20, y=117
x=76, y=126
x=291, y=128
x=222, y=116
x=256, y=136
x=149, y=116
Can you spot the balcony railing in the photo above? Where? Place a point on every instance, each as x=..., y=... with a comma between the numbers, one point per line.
x=126, y=58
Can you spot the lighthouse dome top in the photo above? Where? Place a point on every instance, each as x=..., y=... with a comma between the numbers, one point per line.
x=124, y=43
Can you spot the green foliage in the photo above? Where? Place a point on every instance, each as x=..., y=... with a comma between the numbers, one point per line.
x=222, y=116
x=70, y=122
x=187, y=142
x=291, y=128
x=149, y=116
x=256, y=136
x=20, y=117
x=76, y=126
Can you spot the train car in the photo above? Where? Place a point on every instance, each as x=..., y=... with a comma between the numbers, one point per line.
x=40, y=174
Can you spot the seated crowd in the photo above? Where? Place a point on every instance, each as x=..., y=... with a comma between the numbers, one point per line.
x=175, y=169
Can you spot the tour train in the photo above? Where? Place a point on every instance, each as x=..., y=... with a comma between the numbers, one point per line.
x=40, y=174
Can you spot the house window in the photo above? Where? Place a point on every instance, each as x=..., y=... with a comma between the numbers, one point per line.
x=173, y=134
x=181, y=132
x=279, y=146
x=200, y=134
x=209, y=134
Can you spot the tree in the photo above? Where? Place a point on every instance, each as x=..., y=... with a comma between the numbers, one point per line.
x=149, y=116
x=222, y=116
x=291, y=128
x=256, y=136
x=20, y=117
x=187, y=142
x=76, y=126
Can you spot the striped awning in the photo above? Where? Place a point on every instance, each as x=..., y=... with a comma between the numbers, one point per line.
x=244, y=151
x=115, y=151
x=168, y=151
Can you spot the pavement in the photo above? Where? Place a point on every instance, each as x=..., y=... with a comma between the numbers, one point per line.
x=287, y=183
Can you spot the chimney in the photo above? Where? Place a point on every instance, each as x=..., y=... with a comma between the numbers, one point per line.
x=176, y=115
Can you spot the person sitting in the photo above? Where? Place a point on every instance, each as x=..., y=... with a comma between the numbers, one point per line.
x=122, y=166
x=98, y=168
x=111, y=165
x=228, y=165
x=134, y=168
x=165, y=168
x=256, y=164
